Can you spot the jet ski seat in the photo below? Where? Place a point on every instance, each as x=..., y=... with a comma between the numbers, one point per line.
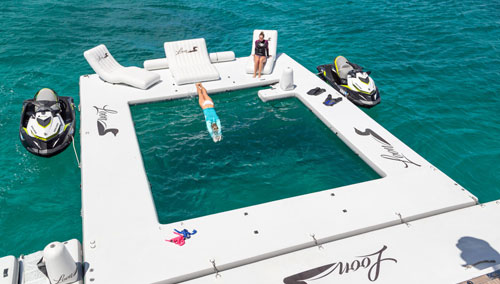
x=343, y=67
x=111, y=71
x=46, y=94
x=272, y=37
x=189, y=62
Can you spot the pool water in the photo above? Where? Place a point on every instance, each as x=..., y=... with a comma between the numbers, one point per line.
x=269, y=151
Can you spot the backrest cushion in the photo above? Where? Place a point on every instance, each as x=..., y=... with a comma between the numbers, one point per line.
x=101, y=60
x=186, y=53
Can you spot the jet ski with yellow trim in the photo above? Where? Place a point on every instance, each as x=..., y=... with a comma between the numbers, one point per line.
x=47, y=123
x=351, y=81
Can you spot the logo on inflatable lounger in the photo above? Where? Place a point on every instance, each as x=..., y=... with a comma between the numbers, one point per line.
x=63, y=278
x=102, y=125
x=182, y=50
x=371, y=262
x=393, y=154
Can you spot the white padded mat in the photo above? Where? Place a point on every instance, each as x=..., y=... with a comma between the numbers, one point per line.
x=189, y=62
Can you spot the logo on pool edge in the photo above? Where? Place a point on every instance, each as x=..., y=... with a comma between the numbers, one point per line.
x=102, y=126
x=393, y=154
x=364, y=262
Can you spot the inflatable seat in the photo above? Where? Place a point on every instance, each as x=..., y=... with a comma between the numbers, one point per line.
x=189, y=62
x=111, y=71
x=272, y=37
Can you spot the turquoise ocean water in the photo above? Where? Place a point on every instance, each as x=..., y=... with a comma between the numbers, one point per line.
x=437, y=64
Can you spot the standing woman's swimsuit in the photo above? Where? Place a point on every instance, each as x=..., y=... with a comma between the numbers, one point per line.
x=262, y=48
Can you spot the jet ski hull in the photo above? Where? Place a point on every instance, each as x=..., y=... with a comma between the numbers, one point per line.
x=53, y=145
x=360, y=99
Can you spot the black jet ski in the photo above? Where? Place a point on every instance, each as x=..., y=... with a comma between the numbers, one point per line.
x=350, y=80
x=47, y=123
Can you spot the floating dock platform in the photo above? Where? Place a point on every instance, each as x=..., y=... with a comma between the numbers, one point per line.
x=412, y=225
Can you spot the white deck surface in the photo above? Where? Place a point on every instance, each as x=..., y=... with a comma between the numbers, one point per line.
x=124, y=242
x=431, y=250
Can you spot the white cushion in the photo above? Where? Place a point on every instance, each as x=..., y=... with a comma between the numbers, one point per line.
x=155, y=64
x=189, y=62
x=111, y=71
x=272, y=37
x=223, y=56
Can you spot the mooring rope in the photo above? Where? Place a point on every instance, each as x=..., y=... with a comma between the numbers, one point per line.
x=76, y=154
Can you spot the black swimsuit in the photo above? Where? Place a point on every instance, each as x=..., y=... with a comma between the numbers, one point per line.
x=261, y=48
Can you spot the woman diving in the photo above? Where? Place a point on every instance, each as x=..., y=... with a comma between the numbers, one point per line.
x=211, y=118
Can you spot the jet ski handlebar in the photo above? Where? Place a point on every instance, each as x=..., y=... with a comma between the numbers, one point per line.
x=41, y=106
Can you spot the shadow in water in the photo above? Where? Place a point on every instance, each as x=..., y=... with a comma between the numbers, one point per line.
x=477, y=253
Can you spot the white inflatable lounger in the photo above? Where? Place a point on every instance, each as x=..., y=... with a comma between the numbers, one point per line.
x=111, y=71
x=189, y=62
x=215, y=57
x=272, y=37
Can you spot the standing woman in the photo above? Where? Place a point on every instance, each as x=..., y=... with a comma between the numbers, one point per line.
x=261, y=54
